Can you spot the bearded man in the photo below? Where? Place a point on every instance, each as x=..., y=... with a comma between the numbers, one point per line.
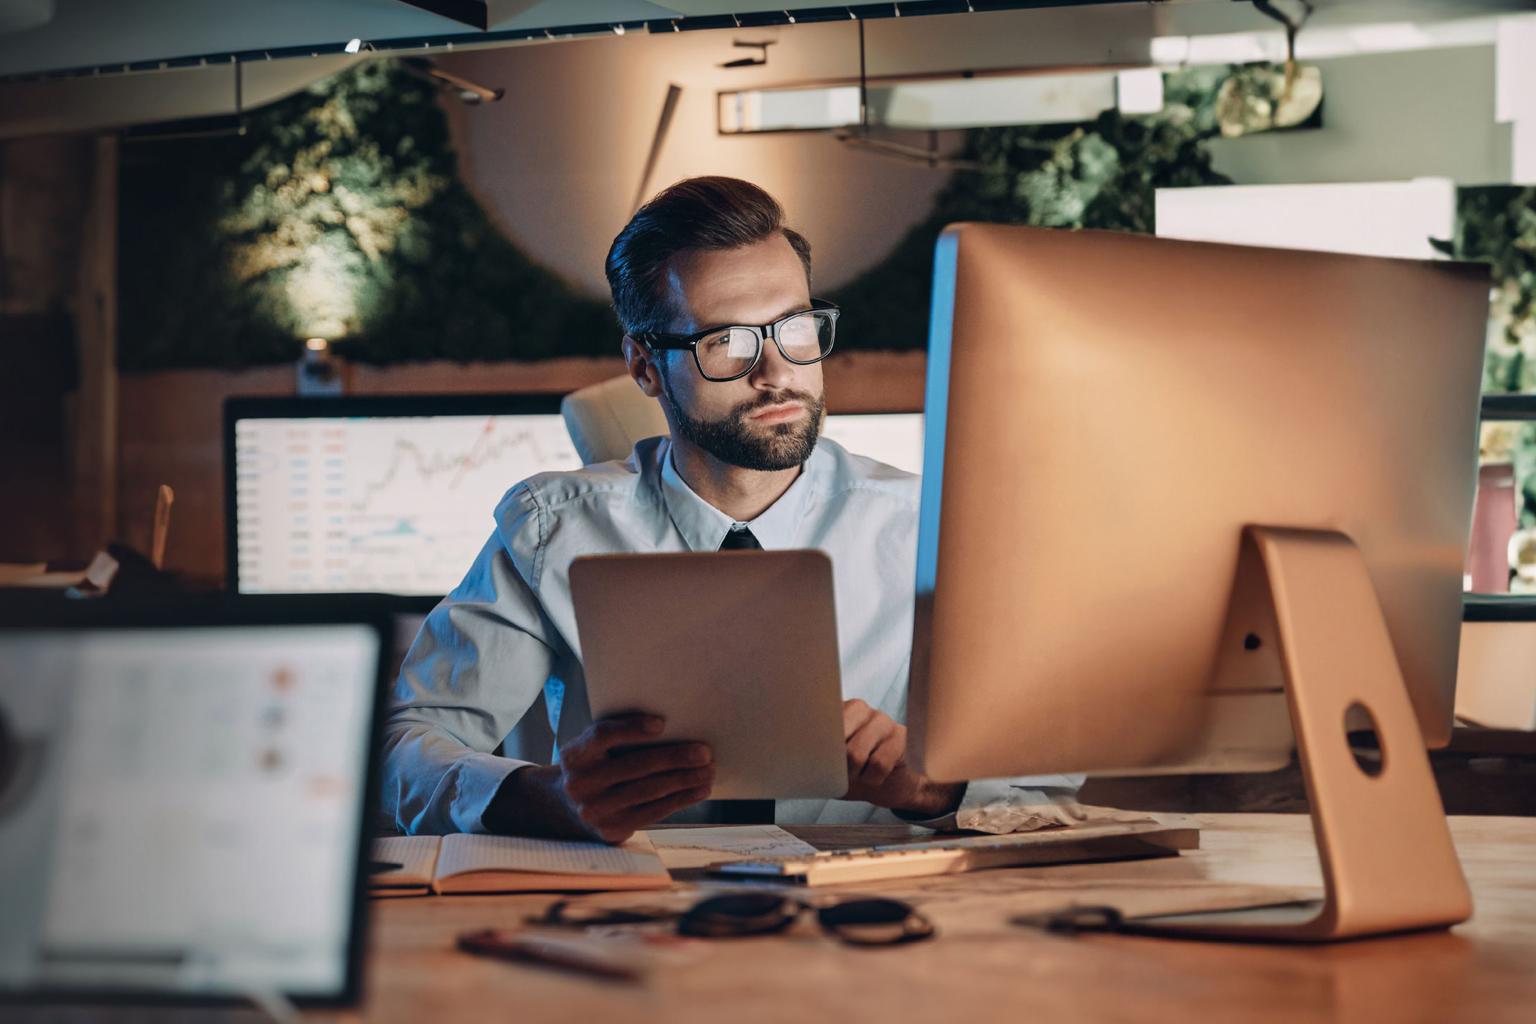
x=490, y=730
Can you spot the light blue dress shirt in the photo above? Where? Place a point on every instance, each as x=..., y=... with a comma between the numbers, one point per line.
x=494, y=681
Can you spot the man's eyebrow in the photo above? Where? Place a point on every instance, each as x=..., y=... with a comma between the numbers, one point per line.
x=796, y=308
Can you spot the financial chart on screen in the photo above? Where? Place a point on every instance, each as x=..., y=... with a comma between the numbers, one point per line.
x=385, y=504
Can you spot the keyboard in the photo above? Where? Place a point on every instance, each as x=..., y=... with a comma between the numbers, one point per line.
x=1115, y=841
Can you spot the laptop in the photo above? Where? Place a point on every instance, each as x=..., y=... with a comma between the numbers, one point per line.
x=376, y=494
x=183, y=799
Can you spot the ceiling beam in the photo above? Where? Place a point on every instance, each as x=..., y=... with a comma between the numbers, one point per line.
x=474, y=13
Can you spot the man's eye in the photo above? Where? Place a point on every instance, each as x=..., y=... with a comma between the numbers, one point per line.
x=800, y=329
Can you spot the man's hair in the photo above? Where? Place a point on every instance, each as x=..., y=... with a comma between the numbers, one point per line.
x=695, y=215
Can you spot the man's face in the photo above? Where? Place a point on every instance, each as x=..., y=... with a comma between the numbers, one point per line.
x=767, y=420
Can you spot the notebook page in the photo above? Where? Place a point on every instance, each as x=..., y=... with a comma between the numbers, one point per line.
x=682, y=848
x=416, y=854
x=464, y=852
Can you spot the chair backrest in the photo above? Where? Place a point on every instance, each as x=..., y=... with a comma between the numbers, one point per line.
x=606, y=419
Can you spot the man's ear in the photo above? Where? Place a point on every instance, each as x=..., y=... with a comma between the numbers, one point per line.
x=641, y=363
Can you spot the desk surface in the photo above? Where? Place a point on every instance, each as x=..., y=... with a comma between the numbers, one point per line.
x=979, y=966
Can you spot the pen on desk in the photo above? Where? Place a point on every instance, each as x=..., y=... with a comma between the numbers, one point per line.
x=557, y=950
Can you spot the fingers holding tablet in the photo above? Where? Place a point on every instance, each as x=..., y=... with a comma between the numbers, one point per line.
x=875, y=744
x=605, y=734
x=614, y=785
x=878, y=772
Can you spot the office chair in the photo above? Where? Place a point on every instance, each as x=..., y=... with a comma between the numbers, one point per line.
x=606, y=419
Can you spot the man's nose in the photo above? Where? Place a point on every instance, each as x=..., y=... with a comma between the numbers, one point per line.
x=772, y=371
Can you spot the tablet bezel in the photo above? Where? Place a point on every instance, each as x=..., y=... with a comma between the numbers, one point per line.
x=607, y=590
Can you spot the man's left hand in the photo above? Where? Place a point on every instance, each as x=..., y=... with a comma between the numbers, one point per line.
x=878, y=771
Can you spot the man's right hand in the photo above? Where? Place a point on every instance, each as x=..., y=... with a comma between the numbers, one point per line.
x=608, y=784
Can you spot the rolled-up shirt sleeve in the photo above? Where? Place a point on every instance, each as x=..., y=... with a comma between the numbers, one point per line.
x=476, y=667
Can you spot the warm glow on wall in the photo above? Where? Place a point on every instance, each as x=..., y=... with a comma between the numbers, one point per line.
x=325, y=205
x=320, y=291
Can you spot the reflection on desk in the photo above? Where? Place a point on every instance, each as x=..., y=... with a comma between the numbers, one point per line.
x=983, y=967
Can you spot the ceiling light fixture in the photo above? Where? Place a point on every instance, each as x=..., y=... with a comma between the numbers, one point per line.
x=929, y=156
x=470, y=93
x=749, y=62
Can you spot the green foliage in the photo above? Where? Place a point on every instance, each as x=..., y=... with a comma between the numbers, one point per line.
x=333, y=195
x=339, y=214
x=176, y=304
x=1523, y=457
x=1103, y=174
x=1497, y=225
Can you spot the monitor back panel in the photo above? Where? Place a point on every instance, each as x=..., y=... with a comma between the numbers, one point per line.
x=1106, y=413
x=735, y=649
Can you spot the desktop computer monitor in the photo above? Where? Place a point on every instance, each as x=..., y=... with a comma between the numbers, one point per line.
x=1108, y=418
x=390, y=495
x=184, y=798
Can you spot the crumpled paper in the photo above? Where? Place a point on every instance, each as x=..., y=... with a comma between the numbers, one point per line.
x=1001, y=816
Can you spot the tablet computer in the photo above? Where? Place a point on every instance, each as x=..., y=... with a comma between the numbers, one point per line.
x=737, y=649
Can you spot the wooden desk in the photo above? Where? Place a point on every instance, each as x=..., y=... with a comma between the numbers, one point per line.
x=981, y=968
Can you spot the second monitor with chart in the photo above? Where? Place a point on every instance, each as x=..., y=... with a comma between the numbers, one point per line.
x=385, y=495
x=397, y=495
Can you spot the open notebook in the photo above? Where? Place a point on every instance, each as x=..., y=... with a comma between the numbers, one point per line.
x=466, y=862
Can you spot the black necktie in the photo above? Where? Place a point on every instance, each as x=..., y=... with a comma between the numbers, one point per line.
x=742, y=812
x=740, y=540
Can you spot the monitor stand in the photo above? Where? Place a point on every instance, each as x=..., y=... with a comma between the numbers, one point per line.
x=1388, y=864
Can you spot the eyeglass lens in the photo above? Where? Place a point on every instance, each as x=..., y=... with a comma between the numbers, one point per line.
x=862, y=922
x=803, y=338
x=738, y=914
x=874, y=922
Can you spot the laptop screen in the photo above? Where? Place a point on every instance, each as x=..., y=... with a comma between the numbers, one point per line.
x=182, y=808
x=385, y=495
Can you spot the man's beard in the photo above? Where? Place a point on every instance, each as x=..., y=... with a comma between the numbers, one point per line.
x=731, y=440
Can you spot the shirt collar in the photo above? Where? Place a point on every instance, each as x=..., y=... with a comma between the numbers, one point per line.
x=703, y=526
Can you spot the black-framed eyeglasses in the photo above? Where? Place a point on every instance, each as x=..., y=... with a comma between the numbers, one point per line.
x=859, y=922
x=732, y=351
